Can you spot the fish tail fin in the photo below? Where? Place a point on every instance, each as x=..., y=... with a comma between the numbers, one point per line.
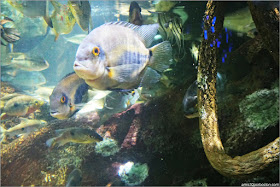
x=160, y=56
x=2, y=129
x=2, y=134
x=151, y=76
x=3, y=138
x=50, y=142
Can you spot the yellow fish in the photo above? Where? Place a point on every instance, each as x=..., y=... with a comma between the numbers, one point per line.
x=25, y=127
x=114, y=56
x=62, y=19
x=75, y=135
x=33, y=9
x=22, y=105
x=82, y=13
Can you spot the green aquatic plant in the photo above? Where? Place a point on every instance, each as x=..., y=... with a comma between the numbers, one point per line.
x=107, y=147
x=261, y=108
x=133, y=174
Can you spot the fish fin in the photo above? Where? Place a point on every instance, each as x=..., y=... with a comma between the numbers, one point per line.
x=3, y=116
x=161, y=56
x=10, y=35
x=145, y=32
x=90, y=26
x=7, y=19
x=56, y=4
x=23, y=120
x=2, y=129
x=3, y=138
x=56, y=36
x=48, y=21
x=50, y=142
x=150, y=76
x=79, y=106
x=24, y=135
x=60, y=131
x=46, y=17
x=61, y=143
x=124, y=73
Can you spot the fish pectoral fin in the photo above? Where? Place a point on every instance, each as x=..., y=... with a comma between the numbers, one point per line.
x=79, y=106
x=56, y=36
x=124, y=73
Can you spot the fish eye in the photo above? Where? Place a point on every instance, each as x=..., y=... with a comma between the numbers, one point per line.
x=22, y=129
x=62, y=99
x=96, y=51
x=16, y=105
x=36, y=102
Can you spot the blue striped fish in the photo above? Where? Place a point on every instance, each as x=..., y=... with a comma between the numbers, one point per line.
x=115, y=56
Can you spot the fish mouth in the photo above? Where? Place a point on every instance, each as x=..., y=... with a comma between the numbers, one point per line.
x=77, y=65
x=58, y=115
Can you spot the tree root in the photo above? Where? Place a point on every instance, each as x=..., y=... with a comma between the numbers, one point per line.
x=239, y=166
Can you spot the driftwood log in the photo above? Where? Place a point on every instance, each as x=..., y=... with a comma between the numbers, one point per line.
x=239, y=166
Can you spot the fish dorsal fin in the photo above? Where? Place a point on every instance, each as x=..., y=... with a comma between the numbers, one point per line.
x=23, y=120
x=145, y=32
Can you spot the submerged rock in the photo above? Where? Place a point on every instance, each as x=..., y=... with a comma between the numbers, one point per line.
x=261, y=108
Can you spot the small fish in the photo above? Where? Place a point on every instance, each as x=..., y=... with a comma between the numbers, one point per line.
x=190, y=101
x=74, y=178
x=25, y=79
x=29, y=63
x=67, y=95
x=194, y=51
x=25, y=127
x=75, y=135
x=62, y=19
x=117, y=102
x=6, y=98
x=33, y=9
x=77, y=39
x=82, y=12
x=114, y=56
x=190, y=98
x=22, y=105
x=135, y=16
x=8, y=34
